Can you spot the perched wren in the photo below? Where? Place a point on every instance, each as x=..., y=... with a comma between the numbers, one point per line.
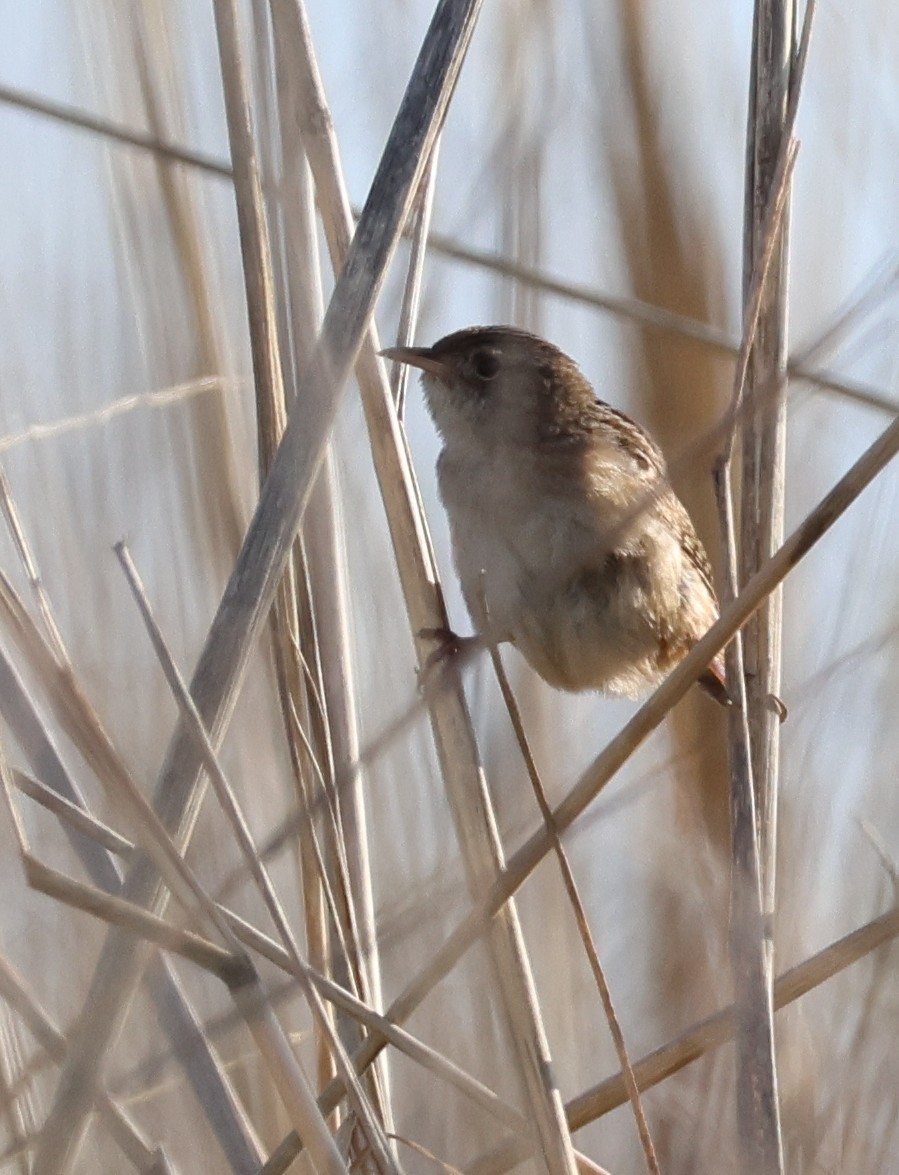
x=561, y=516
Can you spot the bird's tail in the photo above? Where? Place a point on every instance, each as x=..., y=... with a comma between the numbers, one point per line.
x=714, y=683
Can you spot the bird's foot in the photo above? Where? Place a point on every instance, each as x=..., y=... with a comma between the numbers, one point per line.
x=777, y=705
x=452, y=650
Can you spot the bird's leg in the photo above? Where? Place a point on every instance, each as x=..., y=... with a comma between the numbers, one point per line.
x=451, y=648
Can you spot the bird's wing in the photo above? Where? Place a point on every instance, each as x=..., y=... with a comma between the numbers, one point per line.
x=680, y=522
x=595, y=429
x=630, y=438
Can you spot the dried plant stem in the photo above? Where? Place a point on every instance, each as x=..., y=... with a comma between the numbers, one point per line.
x=428, y=1057
x=450, y=722
x=118, y=912
x=701, y=1038
x=227, y=801
x=69, y=814
x=574, y=897
x=758, y=1113
x=441, y=245
x=420, y=228
x=232, y=965
x=271, y=416
x=250, y=591
x=523, y=862
x=207, y=1077
x=653, y=1068
x=755, y=731
x=328, y=602
x=99, y=904
x=143, y=1156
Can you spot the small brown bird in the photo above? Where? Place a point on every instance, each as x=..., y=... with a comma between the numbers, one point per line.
x=561, y=517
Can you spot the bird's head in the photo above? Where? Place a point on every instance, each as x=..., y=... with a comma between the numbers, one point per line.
x=499, y=385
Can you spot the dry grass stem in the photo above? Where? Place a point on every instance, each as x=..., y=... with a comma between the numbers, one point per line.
x=454, y=738
x=574, y=897
x=118, y=912
x=408, y=318
x=699, y=1039
x=266, y=547
x=228, y=803
x=205, y=1074
x=799, y=368
x=73, y=816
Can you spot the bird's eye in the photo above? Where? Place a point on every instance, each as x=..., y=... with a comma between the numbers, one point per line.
x=485, y=364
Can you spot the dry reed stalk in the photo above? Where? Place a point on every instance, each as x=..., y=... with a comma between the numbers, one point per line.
x=450, y=722
x=69, y=814
x=100, y=904
x=523, y=862
x=708, y=1034
x=443, y=245
x=200, y=951
x=204, y=1072
x=228, y=803
x=142, y=1155
x=188, y=1041
x=289, y=636
x=755, y=730
x=247, y=600
x=229, y=961
x=574, y=898
x=349, y=872
x=757, y=1107
x=653, y=1068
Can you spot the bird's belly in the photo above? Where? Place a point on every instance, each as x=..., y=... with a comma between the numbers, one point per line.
x=575, y=613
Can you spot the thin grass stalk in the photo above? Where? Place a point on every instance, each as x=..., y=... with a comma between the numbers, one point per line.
x=454, y=738
x=762, y=504
x=523, y=862
x=228, y=803
x=663, y=1062
x=409, y=307
x=357, y=963
x=574, y=897
x=71, y=815
x=701, y=1038
x=206, y=1075
x=289, y=633
x=202, y=952
x=442, y=245
x=251, y=588
x=229, y=963
x=242, y=981
x=764, y=436
x=751, y=962
x=415, y=1049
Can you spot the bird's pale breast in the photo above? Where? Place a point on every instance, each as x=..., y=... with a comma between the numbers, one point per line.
x=561, y=577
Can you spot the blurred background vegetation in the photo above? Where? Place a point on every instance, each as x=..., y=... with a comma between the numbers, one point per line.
x=598, y=145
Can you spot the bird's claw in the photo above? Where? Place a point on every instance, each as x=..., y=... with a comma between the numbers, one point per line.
x=776, y=704
x=451, y=649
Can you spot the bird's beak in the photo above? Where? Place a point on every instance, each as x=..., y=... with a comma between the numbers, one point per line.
x=422, y=357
